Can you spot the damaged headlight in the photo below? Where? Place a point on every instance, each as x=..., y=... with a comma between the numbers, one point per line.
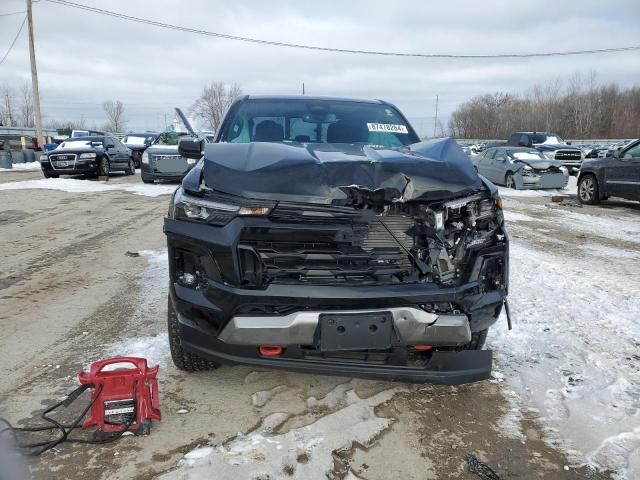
x=219, y=210
x=550, y=155
x=564, y=170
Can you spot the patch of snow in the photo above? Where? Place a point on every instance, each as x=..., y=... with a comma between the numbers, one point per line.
x=261, y=454
x=573, y=352
x=154, y=348
x=196, y=454
x=22, y=166
x=74, y=185
x=153, y=292
x=511, y=216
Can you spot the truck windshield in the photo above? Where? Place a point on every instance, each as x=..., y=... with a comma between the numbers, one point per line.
x=548, y=139
x=317, y=121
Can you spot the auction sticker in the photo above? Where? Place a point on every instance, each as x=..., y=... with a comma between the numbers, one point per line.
x=387, y=127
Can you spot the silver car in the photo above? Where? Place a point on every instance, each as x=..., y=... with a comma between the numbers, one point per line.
x=521, y=168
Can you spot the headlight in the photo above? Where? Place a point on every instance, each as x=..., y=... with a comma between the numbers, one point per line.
x=87, y=155
x=145, y=157
x=217, y=209
x=191, y=161
x=550, y=155
x=564, y=170
x=527, y=167
x=44, y=158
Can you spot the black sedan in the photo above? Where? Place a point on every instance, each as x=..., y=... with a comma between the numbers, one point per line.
x=96, y=155
x=617, y=175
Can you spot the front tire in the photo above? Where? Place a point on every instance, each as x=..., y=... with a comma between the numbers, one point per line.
x=508, y=181
x=49, y=175
x=588, y=190
x=147, y=179
x=103, y=167
x=132, y=167
x=183, y=360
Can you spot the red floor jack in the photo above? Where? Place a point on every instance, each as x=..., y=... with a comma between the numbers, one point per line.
x=122, y=398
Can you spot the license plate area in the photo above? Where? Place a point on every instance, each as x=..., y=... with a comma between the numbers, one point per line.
x=355, y=331
x=170, y=164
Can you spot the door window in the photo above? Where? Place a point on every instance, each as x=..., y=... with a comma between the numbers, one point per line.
x=633, y=152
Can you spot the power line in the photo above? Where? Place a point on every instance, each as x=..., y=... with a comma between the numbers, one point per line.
x=14, y=40
x=12, y=13
x=335, y=50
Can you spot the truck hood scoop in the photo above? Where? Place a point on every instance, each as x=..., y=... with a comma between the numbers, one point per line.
x=336, y=173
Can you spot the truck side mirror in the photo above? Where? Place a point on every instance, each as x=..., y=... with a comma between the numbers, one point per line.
x=191, y=148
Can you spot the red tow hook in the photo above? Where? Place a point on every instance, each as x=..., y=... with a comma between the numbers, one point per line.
x=422, y=348
x=270, y=350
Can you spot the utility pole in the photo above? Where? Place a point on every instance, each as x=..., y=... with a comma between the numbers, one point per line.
x=435, y=120
x=34, y=78
x=302, y=88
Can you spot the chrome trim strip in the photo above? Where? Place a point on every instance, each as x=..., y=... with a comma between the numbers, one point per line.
x=413, y=325
x=623, y=182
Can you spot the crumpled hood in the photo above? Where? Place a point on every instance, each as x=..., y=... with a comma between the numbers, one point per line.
x=329, y=173
x=550, y=147
x=539, y=164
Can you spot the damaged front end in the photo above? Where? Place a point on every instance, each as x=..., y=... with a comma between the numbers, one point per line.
x=391, y=275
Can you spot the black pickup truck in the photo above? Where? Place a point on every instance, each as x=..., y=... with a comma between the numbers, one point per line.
x=321, y=235
x=551, y=146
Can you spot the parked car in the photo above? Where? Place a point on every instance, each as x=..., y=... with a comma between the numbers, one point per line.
x=521, y=168
x=138, y=143
x=161, y=160
x=467, y=150
x=552, y=146
x=321, y=235
x=85, y=133
x=97, y=155
x=617, y=175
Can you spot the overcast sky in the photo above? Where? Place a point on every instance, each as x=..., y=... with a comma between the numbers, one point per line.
x=85, y=58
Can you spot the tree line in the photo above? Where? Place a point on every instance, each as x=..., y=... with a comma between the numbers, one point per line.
x=16, y=110
x=576, y=108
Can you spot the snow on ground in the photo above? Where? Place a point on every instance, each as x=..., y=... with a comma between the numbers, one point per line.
x=85, y=186
x=573, y=357
x=305, y=452
x=153, y=292
x=22, y=166
x=570, y=189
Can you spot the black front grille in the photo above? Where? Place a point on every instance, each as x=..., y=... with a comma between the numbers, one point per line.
x=564, y=155
x=63, y=161
x=371, y=255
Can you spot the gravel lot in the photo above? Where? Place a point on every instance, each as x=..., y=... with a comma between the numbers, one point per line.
x=563, y=403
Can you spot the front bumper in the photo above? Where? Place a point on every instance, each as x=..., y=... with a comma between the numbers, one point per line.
x=155, y=169
x=541, y=181
x=81, y=167
x=444, y=367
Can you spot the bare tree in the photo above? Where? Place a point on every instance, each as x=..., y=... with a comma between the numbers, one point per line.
x=214, y=101
x=115, y=116
x=8, y=114
x=26, y=106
